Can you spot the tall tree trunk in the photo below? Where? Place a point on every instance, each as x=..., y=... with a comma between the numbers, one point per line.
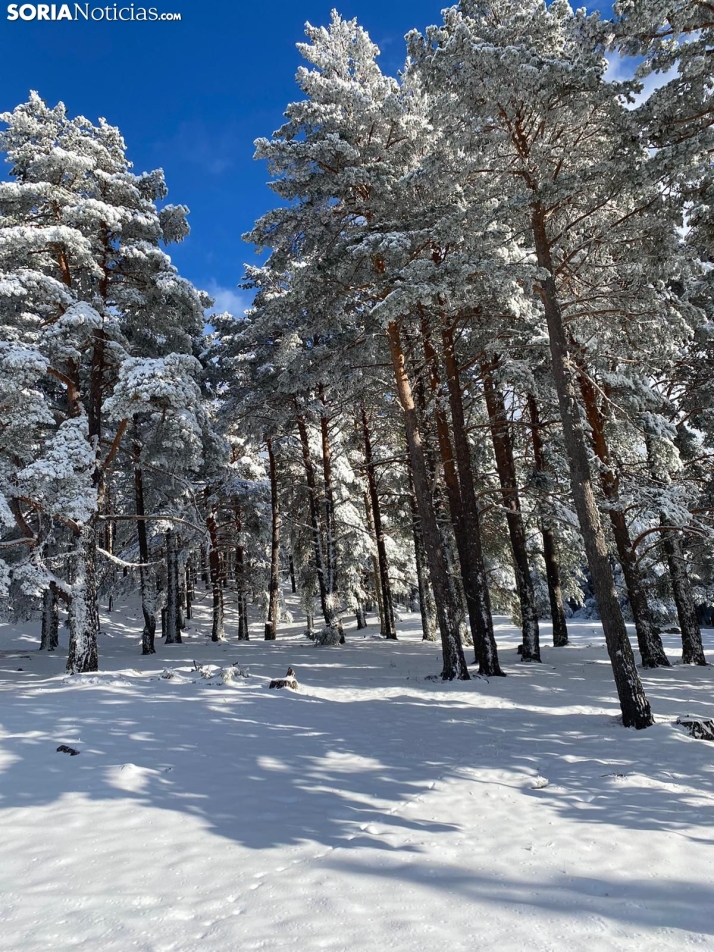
x=389, y=629
x=442, y=513
x=109, y=524
x=328, y=608
x=204, y=568
x=443, y=502
x=484, y=639
x=440, y=502
x=453, y=654
x=692, y=648
x=649, y=641
x=427, y=608
x=172, y=631
x=330, y=527
x=83, y=608
x=457, y=585
x=83, y=615
x=465, y=577
x=49, y=640
x=96, y=385
x=633, y=701
x=291, y=566
x=148, y=596
x=214, y=569
x=550, y=553
x=188, y=586
x=507, y=477
x=243, y=629
x=271, y=624
x=383, y=625
x=181, y=586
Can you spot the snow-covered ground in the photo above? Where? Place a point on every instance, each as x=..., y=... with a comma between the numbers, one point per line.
x=374, y=809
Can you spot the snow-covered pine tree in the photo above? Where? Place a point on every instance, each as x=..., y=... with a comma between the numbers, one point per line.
x=342, y=153
x=528, y=84
x=88, y=289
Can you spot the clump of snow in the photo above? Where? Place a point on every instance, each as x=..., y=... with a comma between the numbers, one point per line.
x=233, y=672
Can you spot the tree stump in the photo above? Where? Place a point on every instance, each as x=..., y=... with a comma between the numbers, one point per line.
x=698, y=728
x=289, y=681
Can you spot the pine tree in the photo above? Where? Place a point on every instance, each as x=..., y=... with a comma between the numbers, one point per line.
x=79, y=242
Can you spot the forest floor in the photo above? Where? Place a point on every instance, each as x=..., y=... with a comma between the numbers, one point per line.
x=373, y=809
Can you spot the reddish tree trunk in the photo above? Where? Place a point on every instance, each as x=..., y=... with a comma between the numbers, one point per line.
x=635, y=707
x=486, y=650
x=649, y=641
x=506, y=469
x=550, y=554
x=453, y=654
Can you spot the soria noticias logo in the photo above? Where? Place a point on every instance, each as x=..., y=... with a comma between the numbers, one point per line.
x=83, y=11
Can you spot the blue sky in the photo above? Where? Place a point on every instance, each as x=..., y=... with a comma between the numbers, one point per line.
x=191, y=97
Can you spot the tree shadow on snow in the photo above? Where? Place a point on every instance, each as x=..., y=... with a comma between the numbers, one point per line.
x=274, y=769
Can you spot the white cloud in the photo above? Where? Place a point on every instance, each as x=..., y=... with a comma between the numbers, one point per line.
x=232, y=300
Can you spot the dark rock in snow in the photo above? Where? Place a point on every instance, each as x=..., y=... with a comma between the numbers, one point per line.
x=64, y=749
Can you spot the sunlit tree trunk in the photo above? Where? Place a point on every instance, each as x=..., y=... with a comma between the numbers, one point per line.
x=633, y=701
x=83, y=615
x=453, y=654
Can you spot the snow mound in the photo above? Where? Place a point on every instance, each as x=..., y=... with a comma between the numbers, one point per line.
x=539, y=783
x=108, y=679
x=212, y=673
x=232, y=673
x=171, y=674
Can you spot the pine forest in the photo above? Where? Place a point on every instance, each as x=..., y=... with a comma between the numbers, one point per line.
x=466, y=421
